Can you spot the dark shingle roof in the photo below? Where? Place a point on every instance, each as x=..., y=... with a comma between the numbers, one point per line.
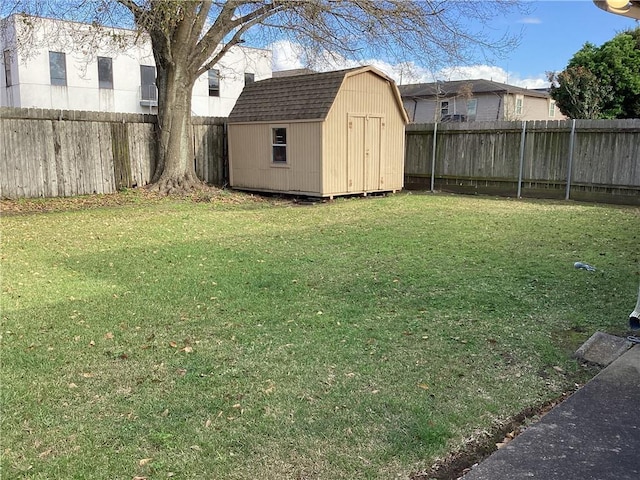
x=300, y=97
x=450, y=89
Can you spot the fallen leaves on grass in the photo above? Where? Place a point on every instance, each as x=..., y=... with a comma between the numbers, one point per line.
x=186, y=349
x=207, y=194
x=508, y=437
x=46, y=453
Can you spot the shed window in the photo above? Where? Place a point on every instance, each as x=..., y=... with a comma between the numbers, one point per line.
x=279, y=144
x=249, y=78
x=58, y=68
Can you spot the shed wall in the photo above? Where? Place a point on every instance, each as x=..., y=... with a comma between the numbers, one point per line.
x=363, y=95
x=251, y=166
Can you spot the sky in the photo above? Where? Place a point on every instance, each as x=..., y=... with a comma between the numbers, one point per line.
x=552, y=32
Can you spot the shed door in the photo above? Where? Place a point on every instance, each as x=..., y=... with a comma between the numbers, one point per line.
x=365, y=146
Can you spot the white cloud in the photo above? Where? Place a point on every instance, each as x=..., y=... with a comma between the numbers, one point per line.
x=488, y=72
x=536, y=82
x=288, y=55
x=530, y=21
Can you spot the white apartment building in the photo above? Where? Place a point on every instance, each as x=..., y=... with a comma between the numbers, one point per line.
x=55, y=64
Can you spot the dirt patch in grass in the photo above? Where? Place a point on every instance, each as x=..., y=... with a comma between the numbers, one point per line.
x=206, y=194
x=457, y=463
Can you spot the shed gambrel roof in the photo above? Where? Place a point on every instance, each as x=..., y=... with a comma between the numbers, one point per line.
x=452, y=89
x=299, y=97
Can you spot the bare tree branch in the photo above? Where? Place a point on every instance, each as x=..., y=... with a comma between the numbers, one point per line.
x=209, y=42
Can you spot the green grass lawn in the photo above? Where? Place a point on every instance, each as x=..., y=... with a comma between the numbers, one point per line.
x=361, y=338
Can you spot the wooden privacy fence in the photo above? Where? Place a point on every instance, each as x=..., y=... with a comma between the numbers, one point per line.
x=52, y=153
x=595, y=160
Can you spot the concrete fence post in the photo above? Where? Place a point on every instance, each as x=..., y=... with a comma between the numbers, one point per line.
x=522, y=139
x=433, y=157
x=570, y=164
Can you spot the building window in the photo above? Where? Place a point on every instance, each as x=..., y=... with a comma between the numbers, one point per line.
x=444, y=108
x=519, y=105
x=148, y=85
x=472, y=107
x=7, y=68
x=58, y=68
x=249, y=78
x=105, y=72
x=214, y=83
x=279, y=144
x=552, y=108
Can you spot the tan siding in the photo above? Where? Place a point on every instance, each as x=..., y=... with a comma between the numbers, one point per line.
x=374, y=180
x=251, y=166
x=355, y=172
x=306, y=156
x=533, y=108
x=536, y=108
x=361, y=95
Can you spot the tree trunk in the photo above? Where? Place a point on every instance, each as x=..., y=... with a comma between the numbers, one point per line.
x=175, y=170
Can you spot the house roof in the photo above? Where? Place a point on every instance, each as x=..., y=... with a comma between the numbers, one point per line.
x=292, y=72
x=452, y=89
x=298, y=97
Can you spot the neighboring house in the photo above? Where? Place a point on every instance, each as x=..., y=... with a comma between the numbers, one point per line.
x=320, y=135
x=476, y=100
x=64, y=65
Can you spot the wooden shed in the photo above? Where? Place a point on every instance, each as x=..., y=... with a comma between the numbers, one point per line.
x=320, y=135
